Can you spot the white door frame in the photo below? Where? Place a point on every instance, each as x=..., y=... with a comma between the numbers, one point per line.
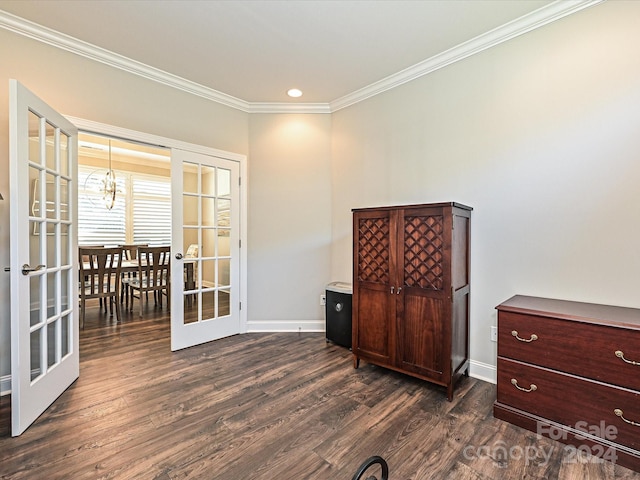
x=126, y=134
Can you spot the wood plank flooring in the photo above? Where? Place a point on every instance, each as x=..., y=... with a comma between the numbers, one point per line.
x=266, y=406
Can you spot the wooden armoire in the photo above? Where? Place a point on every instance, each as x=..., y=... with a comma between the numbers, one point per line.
x=411, y=290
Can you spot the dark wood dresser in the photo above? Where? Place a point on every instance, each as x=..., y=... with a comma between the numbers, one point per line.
x=571, y=371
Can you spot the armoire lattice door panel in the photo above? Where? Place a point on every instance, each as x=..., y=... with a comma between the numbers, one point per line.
x=373, y=250
x=423, y=244
x=411, y=291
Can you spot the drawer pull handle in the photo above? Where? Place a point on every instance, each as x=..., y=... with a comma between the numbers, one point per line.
x=620, y=414
x=532, y=388
x=531, y=339
x=620, y=354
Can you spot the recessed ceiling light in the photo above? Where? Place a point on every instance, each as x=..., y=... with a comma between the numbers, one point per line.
x=295, y=93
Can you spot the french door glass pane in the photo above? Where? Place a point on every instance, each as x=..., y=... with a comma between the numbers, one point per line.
x=224, y=212
x=190, y=177
x=224, y=182
x=50, y=146
x=65, y=289
x=224, y=271
x=191, y=308
x=65, y=247
x=65, y=335
x=34, y=134
x=50, y=239
x=36, y=351
x=64, y=199
x=208, y=211
x=190, y=237
x=208, y=180
x=208, y=268
x=51, y=343
x=34, y=294
x=52, y=293
x=208, y=242
x=64, y=155
x=190, y=209
x=224, y=305
x=208, y=304
x=51, y=192
x=34, y=191
x=224, y=247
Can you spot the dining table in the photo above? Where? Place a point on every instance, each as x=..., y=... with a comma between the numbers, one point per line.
x=132, y=266
x=129, y=266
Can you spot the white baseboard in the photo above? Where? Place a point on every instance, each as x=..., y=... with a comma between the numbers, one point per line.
x=256, y=326
x=483, y=371
x=5, y=385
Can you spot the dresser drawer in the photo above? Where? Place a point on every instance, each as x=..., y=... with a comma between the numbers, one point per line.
x=571, y=401
x=595, y=351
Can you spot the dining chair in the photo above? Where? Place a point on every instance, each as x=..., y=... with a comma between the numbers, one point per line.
x=130, y=252
x=86, y=259
x=154, y=265
x=100, y=277
x=192, y=251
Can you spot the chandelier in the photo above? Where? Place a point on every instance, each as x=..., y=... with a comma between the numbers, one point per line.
x=109, y=185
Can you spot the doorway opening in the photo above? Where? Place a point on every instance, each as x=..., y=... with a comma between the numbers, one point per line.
x=124, y=199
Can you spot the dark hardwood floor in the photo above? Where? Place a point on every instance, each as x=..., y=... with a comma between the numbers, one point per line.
x=266, y=406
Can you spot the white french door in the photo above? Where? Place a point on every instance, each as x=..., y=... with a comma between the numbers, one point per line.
x=44, y=272
x=205, y=239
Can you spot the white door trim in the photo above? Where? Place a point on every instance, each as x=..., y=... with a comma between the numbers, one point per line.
x=126, y=134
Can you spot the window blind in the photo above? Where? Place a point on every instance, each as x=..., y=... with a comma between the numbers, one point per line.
x=151, y=210
x=141, y=213
x=96, y=224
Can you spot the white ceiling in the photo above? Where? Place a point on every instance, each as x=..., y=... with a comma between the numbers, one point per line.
x=251, y=52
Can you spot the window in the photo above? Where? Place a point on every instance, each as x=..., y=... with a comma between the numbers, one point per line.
x=96, y=224
x=151, y=210
x=141, y=213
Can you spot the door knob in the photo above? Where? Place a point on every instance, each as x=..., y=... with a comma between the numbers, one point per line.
x=27, y=269
x=179, y=256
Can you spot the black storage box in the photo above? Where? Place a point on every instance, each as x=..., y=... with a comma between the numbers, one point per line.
x=338, y=313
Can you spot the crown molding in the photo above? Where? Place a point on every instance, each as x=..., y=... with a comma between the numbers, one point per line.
x=56, y=39
x=520, y=26
x=289, y=108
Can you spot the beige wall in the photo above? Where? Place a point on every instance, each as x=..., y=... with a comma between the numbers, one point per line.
x=540, y=136
x=289, y=220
